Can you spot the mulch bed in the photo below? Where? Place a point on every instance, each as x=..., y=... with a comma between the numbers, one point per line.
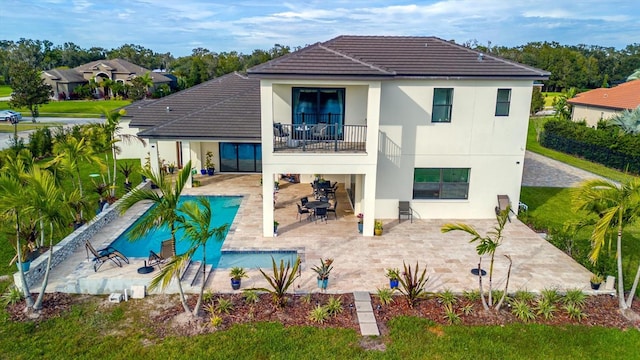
x=600, y=310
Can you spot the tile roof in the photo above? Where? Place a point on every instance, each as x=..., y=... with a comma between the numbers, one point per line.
x=64, y=75
x=623, y=96
x=225, y=108
x=120, y=66
x=393, y=57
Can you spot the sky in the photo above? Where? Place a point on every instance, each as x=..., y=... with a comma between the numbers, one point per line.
x=179, y=26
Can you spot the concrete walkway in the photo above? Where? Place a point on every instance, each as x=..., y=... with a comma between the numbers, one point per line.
x=543, y=171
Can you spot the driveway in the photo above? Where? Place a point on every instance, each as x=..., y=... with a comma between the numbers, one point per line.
x=543, y=171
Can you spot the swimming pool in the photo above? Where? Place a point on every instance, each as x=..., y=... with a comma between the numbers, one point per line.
x=223, y=208
x=252, y=259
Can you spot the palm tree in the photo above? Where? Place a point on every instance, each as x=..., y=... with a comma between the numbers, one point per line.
x=13, y=206
x=616, y=206
x=487, y=244
x=114, y=135
x=71, y=152
x=196, y=222
x=627, y=121
x=165, y=199
x=47, y=202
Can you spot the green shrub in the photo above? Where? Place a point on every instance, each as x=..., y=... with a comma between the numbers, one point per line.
x=385, y=295
x=412, y=284
x=319, y=314
x=224, y=306
x=451, y=315
x=334, y=305
x=446, y=297
x=545, y=308
x=575, y=297
x=522, y=310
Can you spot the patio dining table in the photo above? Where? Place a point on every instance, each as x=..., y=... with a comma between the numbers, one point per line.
x=317, y=204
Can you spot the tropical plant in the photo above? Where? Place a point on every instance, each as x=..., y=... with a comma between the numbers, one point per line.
x=250, y=296
x=392, y=273
x=412, y=284
x=334, y=305
x=574, y=312
x=324, y=269
x=575, y=297
x=319, y=314
x=551, y=295
x=237, y=273
x=471, y=295
x=114, y=133
x=224, y=306
x=487, y=244
x=377, y=225
x=522, y=310
x=545, y=308
x=11, y=296
x=281, y=280
x=524, y=295
x=451, y=315
x=447, y=297
x=616, y=206
x=562, y=107
x=596, y=279
x=628, y=121
x=467, y=309
x=385, y=295
x=209, y=160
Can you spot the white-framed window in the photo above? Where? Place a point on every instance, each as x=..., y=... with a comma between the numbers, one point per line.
x=442, y=104
x=503, y=102
x=441, y=183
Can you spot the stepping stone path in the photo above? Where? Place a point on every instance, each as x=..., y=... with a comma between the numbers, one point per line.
x=364, y=310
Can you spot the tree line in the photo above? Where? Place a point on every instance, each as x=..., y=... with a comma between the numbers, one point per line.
x=200, y=66
x=571, y=66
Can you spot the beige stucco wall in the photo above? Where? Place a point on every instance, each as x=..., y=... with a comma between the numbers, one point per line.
x=591, y=114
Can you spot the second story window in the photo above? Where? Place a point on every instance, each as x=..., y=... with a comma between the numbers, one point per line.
x=442, y=103
x=503, y=102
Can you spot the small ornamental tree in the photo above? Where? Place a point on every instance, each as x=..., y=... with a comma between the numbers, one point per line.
x=29, y=90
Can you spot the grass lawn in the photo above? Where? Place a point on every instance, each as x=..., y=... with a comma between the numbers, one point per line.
x=5, y=90
x=549, y=97
x=24, y=126
x=123, y=331
x=75, y=108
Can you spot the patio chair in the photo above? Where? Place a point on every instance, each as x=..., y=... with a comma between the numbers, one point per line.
x=304, y=201
x=319, y=132
x=279, y=133
x=504, y=203
x=166, y=251
x=302, y=211
x=404, y=209
x=333, y=210
x=321, y=212
x=103, y=255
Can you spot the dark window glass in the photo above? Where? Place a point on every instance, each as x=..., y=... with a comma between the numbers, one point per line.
x=442, y=104
x=503, y=102
x=441, y=183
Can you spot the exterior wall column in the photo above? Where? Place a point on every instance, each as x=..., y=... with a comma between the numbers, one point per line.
x=186, y=157
x=154, y=157
x=369, y=202
x=267, y=203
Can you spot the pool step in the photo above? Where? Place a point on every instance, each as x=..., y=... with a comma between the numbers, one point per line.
x=192, y=274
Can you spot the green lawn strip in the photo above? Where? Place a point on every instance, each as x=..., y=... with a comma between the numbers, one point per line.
x=534, y=146
x=25, y=126
x=5, y=90
x=416, y=338
x=74, y=108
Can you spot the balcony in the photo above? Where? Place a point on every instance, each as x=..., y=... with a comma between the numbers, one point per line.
x=320, y=138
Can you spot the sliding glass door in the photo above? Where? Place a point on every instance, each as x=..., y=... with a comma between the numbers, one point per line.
x=240, y=157
x=319, y=106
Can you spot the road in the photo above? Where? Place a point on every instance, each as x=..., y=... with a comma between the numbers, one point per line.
x=5, y=138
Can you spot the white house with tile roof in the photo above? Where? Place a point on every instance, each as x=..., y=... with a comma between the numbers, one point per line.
x=391, y=119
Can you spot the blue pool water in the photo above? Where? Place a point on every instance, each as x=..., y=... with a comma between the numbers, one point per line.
x=223, y=208
x=255, y=259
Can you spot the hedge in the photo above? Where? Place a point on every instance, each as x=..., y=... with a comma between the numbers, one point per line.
x=604, y=146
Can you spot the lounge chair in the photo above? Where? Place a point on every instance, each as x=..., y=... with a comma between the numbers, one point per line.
x=166, y=251
x=404, y=209
x=280, y=133
x=103, y=255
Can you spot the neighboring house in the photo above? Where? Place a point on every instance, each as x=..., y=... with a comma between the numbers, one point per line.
x=601, y=104
x=63, y=81
x=390, y=118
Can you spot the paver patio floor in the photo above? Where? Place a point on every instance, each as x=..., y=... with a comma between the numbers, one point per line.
x=359, y=262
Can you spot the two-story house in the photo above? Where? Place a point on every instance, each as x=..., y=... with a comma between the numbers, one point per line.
x=391, y=119
x=397, y=118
